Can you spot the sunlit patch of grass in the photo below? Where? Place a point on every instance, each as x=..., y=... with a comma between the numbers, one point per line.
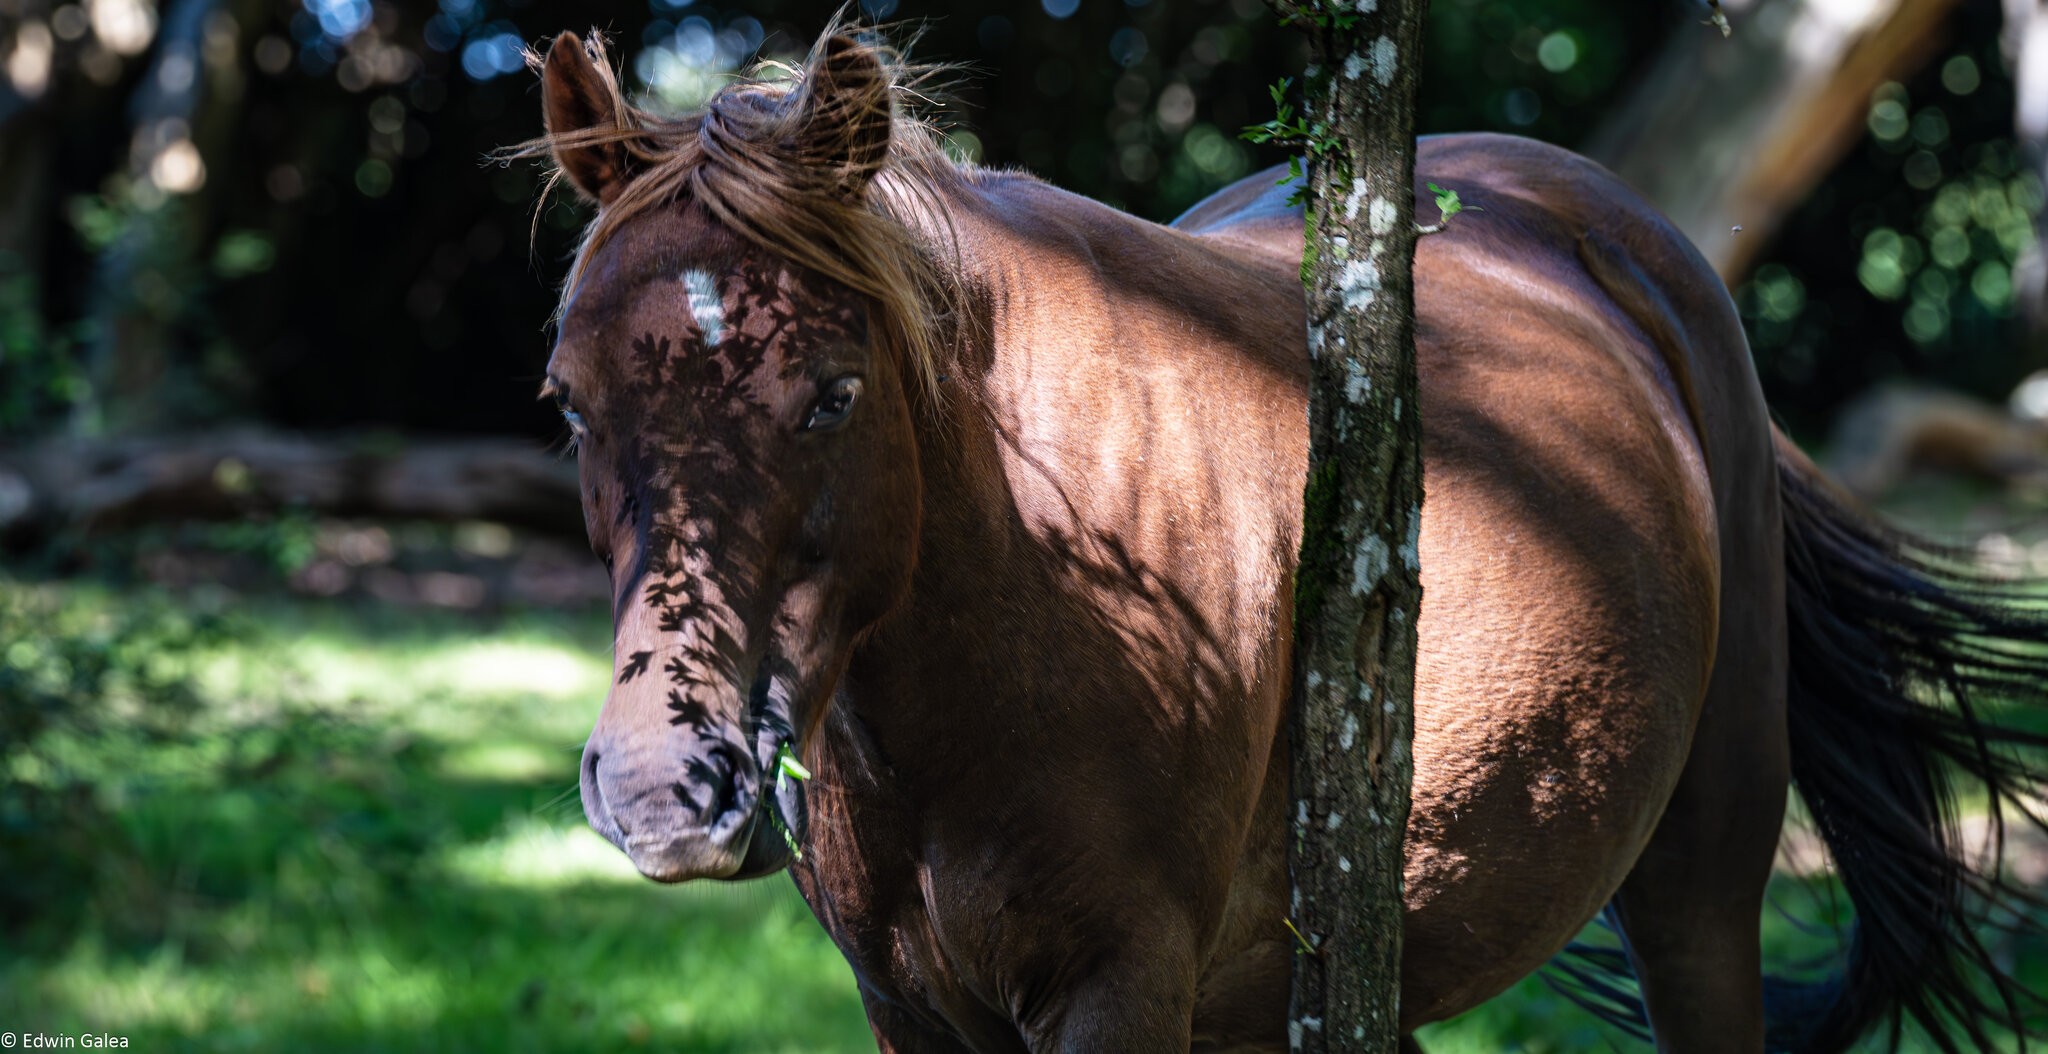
x=537, y=855
x=546, y=675
x=501, y=760
x=369, y=839
x=614, y=967
x=336, y=669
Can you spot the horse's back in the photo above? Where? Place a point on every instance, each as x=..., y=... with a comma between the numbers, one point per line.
x=1579, y=376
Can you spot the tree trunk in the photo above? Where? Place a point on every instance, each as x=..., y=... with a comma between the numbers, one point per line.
x=1357, y=592
x=2025, y=42
x=133, y=355
x=1734, y=133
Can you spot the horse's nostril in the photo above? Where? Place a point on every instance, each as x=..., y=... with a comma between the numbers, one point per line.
x=595, y=808
x=720, y=776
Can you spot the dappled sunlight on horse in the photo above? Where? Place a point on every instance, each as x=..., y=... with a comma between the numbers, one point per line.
x=981, y=502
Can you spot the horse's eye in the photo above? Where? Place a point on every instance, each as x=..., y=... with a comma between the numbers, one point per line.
x=833, y=407
x=574, y=419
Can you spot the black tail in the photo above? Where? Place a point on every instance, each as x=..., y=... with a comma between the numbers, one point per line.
x=1902, y=654
x=1904, y=658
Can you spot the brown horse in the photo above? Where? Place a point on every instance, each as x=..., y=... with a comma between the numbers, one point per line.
x=984, y=499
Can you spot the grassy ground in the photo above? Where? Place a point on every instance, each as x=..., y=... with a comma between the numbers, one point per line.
x=369, y=839
x=365, y=836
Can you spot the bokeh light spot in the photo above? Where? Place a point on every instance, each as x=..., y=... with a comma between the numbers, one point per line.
x=125, y=26
x=340, y=19
x=1960, y=75
x=1780, y=295
x=373, y=178
x=1127, y=46
x=1522, y=106
x=28, y=64
x=1888, y=120
x=1558, y=52
x=493, y=56
x=1949, y=247
x=1927, y=320
x=1992, y=285
x=1930, y=127
x=177, y=168
x=1922, y=171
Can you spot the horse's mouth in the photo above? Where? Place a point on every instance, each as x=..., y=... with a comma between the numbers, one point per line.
x=776, y=828
x=756, y=812
x=769, y=842
x=757, y=848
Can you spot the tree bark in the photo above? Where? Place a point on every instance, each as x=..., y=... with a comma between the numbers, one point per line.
x=2025, y=42
x=1357, y=591
x=1735, y=133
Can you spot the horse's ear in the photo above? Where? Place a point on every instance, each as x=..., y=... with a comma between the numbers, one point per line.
x=843, y=112
x=579, y=104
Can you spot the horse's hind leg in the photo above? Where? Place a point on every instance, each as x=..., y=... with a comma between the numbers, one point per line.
x=1690, y=907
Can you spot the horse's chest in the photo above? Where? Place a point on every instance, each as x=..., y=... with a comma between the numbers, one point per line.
x=882, y=921
x=868, y=880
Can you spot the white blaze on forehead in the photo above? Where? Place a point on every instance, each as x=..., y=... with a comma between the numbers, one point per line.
x=705, y=306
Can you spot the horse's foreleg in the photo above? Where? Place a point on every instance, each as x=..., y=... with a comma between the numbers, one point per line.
x=1142, y=1008
x=897, y=1032
x=1691, y=904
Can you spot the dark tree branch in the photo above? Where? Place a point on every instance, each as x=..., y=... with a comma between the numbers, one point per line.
x=1733, y=134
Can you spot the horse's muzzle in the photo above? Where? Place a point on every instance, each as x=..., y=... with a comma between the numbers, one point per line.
x=678, y=819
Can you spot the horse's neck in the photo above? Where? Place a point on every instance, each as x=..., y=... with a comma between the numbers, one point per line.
x=1111, y=489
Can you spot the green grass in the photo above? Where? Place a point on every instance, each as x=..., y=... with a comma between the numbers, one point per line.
x=369, y=840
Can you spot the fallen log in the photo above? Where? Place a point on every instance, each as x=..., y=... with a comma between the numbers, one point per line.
x=1889, y=433
x=94, y=485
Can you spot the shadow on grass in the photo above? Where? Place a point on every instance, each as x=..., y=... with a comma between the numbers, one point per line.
x=311, y=884
x=404, y=867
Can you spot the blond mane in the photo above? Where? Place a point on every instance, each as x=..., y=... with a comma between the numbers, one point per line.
x=739, y=158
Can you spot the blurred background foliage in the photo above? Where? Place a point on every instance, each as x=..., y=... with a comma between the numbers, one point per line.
x=1900, y=263
x=232, y=209
x=258, y=209
x=277, y=774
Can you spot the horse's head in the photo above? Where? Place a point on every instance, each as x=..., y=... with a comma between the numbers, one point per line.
x=740, y=360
